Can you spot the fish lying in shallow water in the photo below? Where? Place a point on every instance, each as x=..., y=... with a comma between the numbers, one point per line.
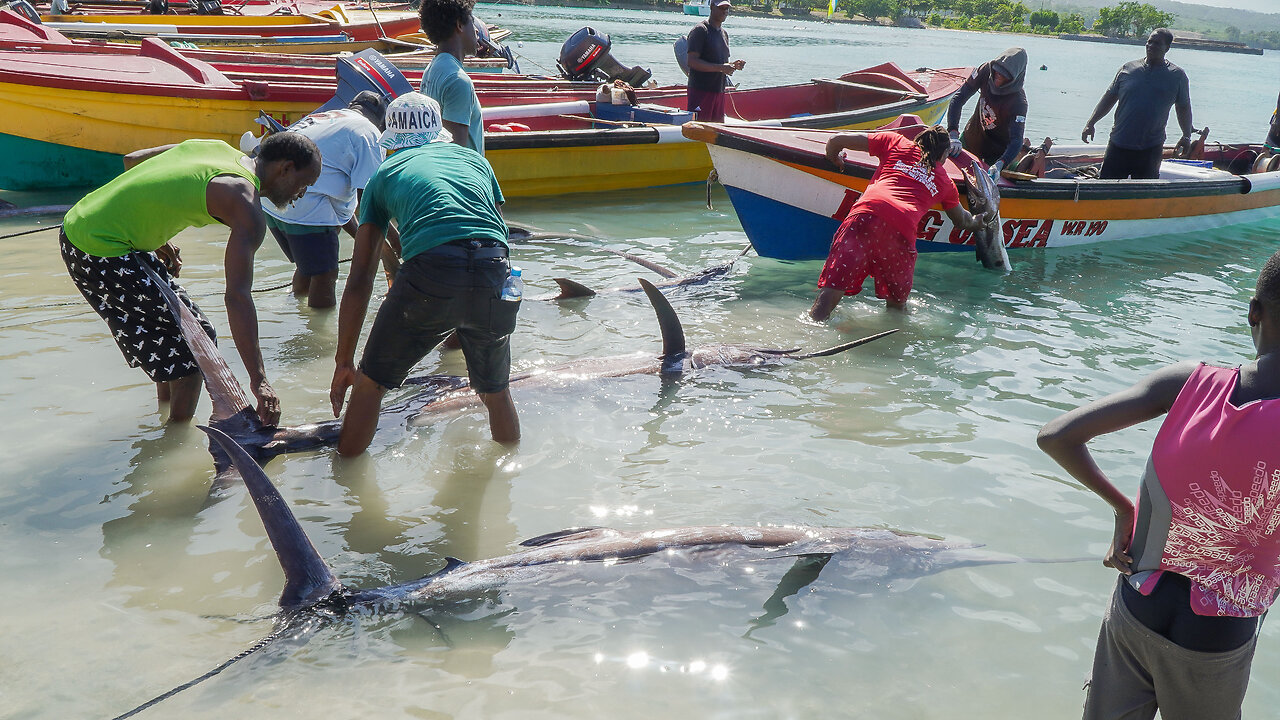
x=674, y=360
x=313, y=596
x=233, y=409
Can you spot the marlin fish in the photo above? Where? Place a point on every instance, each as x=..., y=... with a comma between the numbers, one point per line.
x=313, y=596
x=573, y=289
x=673, y=361
x=984, y=196
x=233, y=410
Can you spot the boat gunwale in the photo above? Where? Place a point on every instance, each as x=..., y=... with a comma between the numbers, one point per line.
x=1037, y=189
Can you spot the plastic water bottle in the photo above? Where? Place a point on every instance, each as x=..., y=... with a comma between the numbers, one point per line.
x=513, y=288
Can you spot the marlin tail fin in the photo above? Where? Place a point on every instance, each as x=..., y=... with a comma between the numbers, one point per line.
x=307, y=577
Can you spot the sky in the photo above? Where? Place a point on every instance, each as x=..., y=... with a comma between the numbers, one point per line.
x=1265, y=6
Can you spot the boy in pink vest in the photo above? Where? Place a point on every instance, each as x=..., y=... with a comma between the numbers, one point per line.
x=1199, y=553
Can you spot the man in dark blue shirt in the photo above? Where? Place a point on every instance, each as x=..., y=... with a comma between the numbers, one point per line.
x=709, y=66
x=1145, y=90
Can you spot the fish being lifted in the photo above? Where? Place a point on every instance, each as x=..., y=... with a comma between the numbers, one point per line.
x=313, y=596
x=984, y=197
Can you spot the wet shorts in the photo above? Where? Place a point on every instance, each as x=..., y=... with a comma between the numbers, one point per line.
x=867, y=245
x=436, y=292
x=135, y=311
x=313, y=248
x=1136, y=670
x=708, y=104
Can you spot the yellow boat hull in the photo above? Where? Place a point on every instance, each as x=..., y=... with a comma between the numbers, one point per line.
x=61, y=137
x=527, y=172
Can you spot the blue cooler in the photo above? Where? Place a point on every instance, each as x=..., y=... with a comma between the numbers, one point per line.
x=661, y=114
x=616, y=113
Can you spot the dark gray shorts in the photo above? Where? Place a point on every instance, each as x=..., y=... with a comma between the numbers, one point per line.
x=1136, y=671
x=314, y=252
x=433, y=295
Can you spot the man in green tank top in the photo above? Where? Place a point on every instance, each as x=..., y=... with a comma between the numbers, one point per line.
x=131, y=220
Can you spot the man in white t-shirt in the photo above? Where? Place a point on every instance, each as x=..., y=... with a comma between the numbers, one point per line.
x=307, y=230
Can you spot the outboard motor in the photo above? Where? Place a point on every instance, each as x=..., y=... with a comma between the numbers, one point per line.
x=24, y=8
x=585, y=56
x=204, y=7
x=366, y=70
x=486, y=47
x=681, y=47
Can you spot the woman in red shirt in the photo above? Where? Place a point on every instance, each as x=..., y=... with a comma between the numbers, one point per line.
x=878, y=238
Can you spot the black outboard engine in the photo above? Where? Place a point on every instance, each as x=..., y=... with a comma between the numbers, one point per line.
x=585, y=56
x=487, y=48
x=205, y=7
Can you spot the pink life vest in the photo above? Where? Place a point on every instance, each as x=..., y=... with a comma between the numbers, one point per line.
x=1209, y=506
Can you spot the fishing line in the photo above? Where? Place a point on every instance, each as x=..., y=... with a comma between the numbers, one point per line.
x=28, y=232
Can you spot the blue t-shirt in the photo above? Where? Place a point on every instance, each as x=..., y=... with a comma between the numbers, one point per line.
x=446, y=82
x=1145, y=96
x=435, y=193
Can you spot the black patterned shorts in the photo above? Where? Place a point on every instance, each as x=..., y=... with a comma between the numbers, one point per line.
x=135, y=311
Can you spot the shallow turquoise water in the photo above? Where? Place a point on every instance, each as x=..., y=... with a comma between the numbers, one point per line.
x=123, y=581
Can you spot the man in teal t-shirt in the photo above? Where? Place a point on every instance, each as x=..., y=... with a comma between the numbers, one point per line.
x=444, y=199
x=448, y=24
x=129, y=222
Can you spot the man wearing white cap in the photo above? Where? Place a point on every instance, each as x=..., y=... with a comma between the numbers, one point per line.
x=444, y=199
x=709, y=66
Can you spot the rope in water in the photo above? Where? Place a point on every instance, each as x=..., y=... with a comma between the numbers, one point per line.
x=29, y=232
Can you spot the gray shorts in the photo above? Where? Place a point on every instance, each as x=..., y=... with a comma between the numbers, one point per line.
x=1136, y=671
x=434, y=294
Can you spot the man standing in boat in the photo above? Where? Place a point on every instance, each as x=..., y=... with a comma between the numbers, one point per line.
x=878, y=238
x=999, y=123
x=449, y=24
x=444, y=198
x=114, y=230
x=1142, y=93
x=307, y=230
x=709, y=66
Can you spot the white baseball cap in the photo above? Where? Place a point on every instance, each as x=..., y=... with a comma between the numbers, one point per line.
x=413, y=119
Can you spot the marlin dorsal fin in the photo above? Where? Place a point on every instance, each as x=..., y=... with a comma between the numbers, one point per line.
x=571, y=289
x=226, y=392
x=559, y=535
x=673, y=347
x=307, y=577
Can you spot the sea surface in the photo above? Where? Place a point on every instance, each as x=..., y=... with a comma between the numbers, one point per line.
x=122, y=578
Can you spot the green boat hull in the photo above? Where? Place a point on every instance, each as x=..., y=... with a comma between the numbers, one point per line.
x=38, y=165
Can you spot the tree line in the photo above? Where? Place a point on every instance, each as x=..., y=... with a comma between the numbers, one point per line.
x=1125, y=19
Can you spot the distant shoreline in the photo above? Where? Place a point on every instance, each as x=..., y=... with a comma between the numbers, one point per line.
x=815, y=16
x=1181, y=43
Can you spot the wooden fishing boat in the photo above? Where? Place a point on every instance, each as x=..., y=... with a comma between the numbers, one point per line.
x=238, y=53
x=355, y=24
x=597, y=147
x=73, y=114
x=790, y=198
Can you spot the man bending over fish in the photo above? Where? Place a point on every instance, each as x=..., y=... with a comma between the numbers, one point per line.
x=108, y=235
x=878, y=238
x=444, y=199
